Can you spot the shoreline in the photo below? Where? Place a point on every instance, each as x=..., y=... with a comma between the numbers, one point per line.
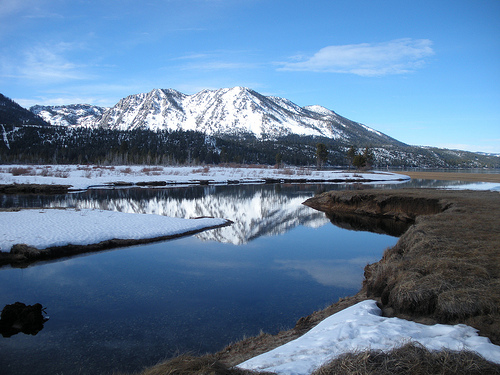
x=65, y=232
x=83, y=177
x=452, y=176
x=444, y=269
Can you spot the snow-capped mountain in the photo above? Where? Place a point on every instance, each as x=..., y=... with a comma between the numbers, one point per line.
x=228, y=111
x=70, y=115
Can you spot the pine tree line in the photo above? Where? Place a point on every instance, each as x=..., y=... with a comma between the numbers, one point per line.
x=64, y=145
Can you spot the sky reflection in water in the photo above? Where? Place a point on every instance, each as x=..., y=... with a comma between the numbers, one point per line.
x=129, y=308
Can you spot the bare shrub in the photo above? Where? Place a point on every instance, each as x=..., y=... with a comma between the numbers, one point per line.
x=46, y=172
x=288, y=171
x=410, y=359
x=22, y=171
x=152, y=171
x=304, y=171
x=256, y=166
x=127, y=170
x=232, y=165
x=61, y=174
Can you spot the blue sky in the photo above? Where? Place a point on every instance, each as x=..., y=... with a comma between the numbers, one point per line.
x=423, y=72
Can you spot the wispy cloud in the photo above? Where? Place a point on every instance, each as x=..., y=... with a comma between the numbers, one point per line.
x=26, y=8
x=218, y=60
x=49, y=63
x=9, y=7
x=345, y=273
x=394, y=57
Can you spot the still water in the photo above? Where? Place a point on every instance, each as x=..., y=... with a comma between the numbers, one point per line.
x=125, y=309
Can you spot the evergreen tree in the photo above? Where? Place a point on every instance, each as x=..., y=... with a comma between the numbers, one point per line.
x=321, y=154
x=351, y=154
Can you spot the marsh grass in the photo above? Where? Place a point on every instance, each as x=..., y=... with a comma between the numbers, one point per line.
x=410, y=359
x=193, y=365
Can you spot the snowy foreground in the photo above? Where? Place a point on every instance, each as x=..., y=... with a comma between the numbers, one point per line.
x=85, y=176
x=58, y=227
x=362, y=327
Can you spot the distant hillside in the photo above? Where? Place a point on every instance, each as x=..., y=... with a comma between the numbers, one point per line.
x=70, y=115
x=12, y=113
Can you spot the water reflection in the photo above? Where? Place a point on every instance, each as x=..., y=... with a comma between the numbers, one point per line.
x=19, y=317
x=124, y=310
x=256, y=210
x=379, y=225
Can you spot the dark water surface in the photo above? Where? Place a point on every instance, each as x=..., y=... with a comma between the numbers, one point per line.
x=125, y=309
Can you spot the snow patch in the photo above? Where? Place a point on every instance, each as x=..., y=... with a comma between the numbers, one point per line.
x=361, y=327
x=56, y=227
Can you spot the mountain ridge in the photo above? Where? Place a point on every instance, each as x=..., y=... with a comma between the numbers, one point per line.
x=228, y=111
x=79, y=137
x=11, y=113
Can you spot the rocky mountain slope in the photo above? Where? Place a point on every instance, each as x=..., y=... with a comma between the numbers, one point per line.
x=12, y=113
x=230, y=111
x=70, y=115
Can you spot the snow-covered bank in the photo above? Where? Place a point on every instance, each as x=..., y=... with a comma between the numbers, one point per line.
x=55, y=227
x=492, y=186
x=361, y=327
x=85, y=176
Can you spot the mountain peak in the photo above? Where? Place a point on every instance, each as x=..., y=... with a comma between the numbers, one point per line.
x=232, y=111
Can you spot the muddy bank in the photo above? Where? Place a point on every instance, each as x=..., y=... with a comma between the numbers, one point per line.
x=34, y=189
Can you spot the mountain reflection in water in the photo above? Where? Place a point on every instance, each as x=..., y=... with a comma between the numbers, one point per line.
x=119, y=311
x=256, y=210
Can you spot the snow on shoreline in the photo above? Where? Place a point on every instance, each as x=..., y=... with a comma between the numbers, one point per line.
x=85, y=176
x=361, y=327
x=43, y=228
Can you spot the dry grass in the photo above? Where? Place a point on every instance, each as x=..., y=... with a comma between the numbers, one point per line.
x=152, y=171
x=446, y=267
x=203, y=170
x=126, y=170
x=191, y=365
x=410, y=359
x=22, y=171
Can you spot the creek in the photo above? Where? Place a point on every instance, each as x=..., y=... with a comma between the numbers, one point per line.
x=128, y=308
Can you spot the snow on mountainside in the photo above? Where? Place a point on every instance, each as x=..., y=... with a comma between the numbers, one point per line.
x=70, y=115
x=228, y=111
